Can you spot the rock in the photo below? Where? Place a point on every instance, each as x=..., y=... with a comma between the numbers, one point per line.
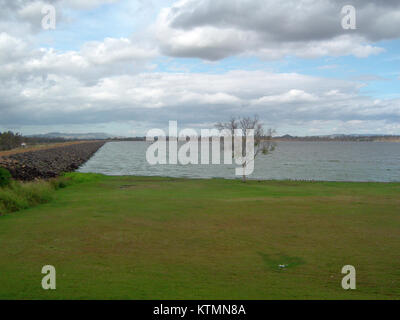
x=49, y=163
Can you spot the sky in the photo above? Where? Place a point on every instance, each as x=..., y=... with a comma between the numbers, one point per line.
x=125, y=67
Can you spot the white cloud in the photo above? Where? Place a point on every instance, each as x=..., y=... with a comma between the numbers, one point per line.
x=11, y=49
x=293, y=95
x=110, y=80
x=86, y=4
x=32, y=11
x=23, y=18
x=115, y=50
x=282, y=100
x=94, y=61
x=215, y=29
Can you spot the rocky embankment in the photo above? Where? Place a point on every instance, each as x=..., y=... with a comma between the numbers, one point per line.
x=49, y=163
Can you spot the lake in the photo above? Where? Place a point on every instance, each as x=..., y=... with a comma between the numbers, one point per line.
x=322, y=161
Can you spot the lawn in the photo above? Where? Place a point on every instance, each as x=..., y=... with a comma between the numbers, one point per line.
x=164, y=238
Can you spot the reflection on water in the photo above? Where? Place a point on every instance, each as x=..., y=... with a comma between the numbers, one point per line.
x=326, y=161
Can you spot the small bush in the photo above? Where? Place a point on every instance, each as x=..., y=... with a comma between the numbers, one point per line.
x=11, y=201
x=60, y=183
x=5, y=177
x=37, y=192
x=22, y=195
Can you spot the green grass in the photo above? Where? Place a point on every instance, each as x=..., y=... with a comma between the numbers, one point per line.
x=23, y=195
x=164, y=238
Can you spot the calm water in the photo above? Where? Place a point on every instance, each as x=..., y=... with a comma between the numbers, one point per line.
x=327, y=161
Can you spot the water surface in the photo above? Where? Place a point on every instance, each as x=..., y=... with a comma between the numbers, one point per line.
x=324, y=161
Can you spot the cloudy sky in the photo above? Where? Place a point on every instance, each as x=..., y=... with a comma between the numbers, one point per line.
x=124, y=67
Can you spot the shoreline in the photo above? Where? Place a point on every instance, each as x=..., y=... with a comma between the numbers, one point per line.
x=239, y=179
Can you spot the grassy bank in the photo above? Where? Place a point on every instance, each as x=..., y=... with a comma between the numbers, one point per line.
x=23, y=195
x=162, y=238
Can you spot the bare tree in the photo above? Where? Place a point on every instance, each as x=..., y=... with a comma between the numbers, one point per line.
x=263, y=143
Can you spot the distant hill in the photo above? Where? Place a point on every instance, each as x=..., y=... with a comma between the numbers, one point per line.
x=74, y=136
x=287, y=137
x=342, y=137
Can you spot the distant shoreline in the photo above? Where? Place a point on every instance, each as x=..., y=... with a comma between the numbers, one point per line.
x=336, y=140
x=298, y=139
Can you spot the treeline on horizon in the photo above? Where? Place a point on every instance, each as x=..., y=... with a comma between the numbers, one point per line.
x=10, y=140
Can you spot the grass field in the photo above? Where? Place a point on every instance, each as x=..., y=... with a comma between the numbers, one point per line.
x=162, y=238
